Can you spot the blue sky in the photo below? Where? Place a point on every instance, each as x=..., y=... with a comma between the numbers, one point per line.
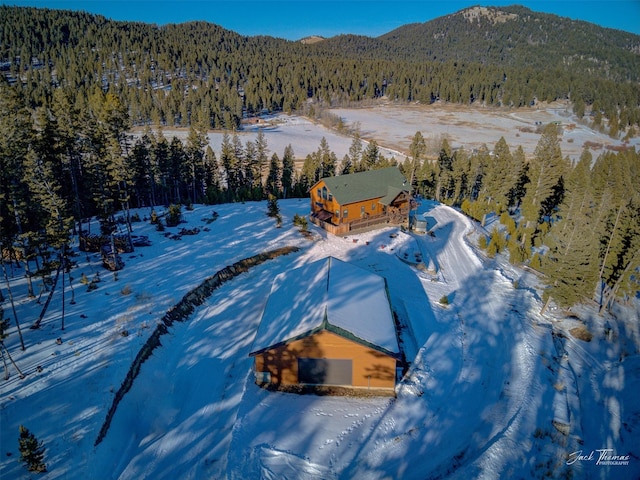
x=295, y=19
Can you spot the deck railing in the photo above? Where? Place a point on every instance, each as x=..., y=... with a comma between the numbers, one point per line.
x=356, y=224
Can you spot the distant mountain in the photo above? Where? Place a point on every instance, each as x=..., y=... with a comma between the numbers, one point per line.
x=512, y=36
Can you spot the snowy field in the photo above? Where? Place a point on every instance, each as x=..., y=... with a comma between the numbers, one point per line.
x=491, y=392
x=472, y=127
x=393, y=128
x=301, y=133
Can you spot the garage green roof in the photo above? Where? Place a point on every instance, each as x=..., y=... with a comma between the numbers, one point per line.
x=357, y=187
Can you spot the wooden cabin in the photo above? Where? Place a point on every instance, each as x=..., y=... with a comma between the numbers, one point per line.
x=327, y=323
x=349, y=202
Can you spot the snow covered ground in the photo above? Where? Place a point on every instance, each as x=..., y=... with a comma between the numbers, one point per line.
x=302, y=134
x=494, y=389
x=394, y=126
x=471, y=127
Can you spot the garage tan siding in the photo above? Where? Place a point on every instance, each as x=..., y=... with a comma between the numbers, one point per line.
x=371, y=368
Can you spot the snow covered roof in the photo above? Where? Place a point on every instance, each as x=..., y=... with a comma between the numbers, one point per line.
x=360, y=186
x=328, y=294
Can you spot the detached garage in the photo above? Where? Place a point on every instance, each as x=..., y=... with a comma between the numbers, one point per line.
x=328, y=323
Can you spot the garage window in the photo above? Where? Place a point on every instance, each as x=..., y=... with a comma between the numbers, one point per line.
x=324, y=371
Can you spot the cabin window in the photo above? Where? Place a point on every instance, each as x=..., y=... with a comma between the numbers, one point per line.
x=362, y=210
x=263, y=377
x=324, y=192
x=337, y=213
x=330, y=196
x=319, y=193
x=345, y=213
x=373, y=206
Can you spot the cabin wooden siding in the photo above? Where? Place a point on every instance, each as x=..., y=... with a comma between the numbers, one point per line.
x=356, y=210
x=370, y=368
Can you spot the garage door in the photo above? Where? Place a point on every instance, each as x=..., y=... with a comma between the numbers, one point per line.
x=324, y=371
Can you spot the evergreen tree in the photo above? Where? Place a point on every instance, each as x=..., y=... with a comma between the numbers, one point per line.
x=251, y=173
x=622, y=258
x=175, y=173
x=195, y=170
x=460, y=174
x=346, y=166
x=497, y=243
x=571, y=264
x=497, y=180
x=230, y=165
x=108, y=147
x=417, y=151
x=16, y=136
x=273, y=210
x=426, y=177
x=518, y=177
x=45, y=190
x=160, y=167
x=444, y=180
x=309, y=174
x=273, y=186
x=69, y=131
x=354, y=156
x=240, y=156
x=142, y=177
x=371, y=156
x=31, y=451
x=476, y=166
x=288, y=171
x=545, y=172
x=174, y=215
x=212, y=177
x=262, y=155
x=326, y=160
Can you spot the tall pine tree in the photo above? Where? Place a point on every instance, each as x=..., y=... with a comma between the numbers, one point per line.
x=545, y=172
x=571, y=264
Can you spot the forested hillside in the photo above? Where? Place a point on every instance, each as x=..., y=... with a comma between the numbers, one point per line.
x=519, y=37
x=74, y=84
x=174, y=73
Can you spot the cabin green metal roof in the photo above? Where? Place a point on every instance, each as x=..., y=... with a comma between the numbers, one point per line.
x=392, y=194
x=357, y=187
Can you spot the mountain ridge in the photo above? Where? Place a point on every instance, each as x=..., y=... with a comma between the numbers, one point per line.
x=507, y=56
x=514, y=35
